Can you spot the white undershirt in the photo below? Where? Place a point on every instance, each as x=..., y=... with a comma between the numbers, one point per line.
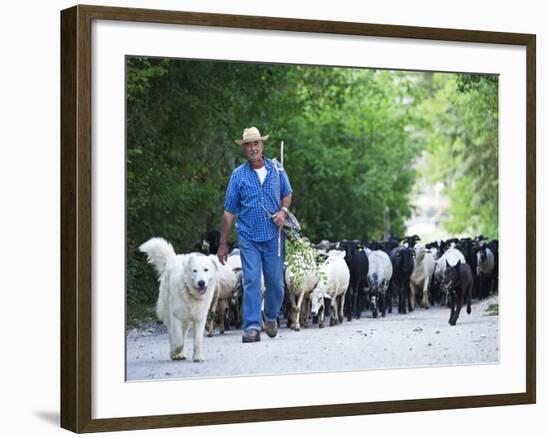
x=262, y=173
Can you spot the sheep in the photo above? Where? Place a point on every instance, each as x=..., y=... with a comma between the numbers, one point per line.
x=226, y=284
x=457, y=283
x=299, y=289
x=333, y=282
x=424, y=267
x=236, y=299
x=410, y=241
x=358, y=265
x=469, y=247
x=402, y=260
x=435, y=248
x=452, y=256
x=485, y=267
x=337, y=253
x=378, y=279
x=493, y=246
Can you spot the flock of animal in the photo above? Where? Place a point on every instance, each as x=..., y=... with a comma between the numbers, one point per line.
x=197, y=291
x=351, y=277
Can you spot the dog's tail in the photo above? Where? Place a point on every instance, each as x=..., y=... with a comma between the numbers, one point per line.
x=158, y=251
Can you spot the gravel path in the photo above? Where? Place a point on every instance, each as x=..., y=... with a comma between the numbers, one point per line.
x=420, y=338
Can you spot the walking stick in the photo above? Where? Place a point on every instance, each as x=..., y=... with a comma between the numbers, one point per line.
x=280, y=228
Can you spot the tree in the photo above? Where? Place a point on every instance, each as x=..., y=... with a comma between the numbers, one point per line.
x=462, y=138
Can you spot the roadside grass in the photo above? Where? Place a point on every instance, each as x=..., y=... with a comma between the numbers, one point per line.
x=492, y=310
x=139, y=314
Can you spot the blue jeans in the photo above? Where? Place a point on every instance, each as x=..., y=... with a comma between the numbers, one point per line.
x=257, y=257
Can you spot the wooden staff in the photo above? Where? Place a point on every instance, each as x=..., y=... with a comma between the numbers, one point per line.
x=280, y=228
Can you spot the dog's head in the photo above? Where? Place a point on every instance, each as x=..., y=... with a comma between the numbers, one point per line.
x=201, y=270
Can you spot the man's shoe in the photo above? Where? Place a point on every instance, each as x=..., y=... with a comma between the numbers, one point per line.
x=251, y=335
x=271, y=328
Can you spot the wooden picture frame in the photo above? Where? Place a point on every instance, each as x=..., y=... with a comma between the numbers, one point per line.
x=76, y=217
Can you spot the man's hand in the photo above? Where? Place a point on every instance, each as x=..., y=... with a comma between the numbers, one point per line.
x=223, y=251
x=279, y=218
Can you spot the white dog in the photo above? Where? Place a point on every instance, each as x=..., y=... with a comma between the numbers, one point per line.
x=187, y=284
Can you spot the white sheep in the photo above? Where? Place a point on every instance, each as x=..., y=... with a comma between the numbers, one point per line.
x=453, y=256
x=485, y=267
x=333, y=282
x=421, y=277
x=299, y=289
x=379, y=276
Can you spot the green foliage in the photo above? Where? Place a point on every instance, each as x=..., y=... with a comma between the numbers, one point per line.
x=182, y=118
x=492, y=310
x=301, y=258
x=140, y=314
x=462, y=139
x=351, y=148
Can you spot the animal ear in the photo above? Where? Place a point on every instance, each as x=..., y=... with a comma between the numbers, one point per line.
x=215, y=263
x=456, y=264
x=447, y=263
x=186, y=262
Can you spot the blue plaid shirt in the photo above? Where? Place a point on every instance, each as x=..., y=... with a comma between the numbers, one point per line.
x=246, y=197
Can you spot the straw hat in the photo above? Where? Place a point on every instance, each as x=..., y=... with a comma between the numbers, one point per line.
x=250, y=135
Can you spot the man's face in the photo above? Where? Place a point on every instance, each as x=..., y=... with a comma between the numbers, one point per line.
x=254, y=150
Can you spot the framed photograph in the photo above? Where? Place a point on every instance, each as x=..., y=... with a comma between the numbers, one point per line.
x=405, y=269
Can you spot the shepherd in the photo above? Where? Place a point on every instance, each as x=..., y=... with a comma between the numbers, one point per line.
x=259, y=194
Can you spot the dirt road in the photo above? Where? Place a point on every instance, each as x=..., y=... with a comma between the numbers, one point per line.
x=420, y=338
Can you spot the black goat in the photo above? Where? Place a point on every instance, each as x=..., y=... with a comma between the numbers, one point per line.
x=457, y=284
x=402, y=260
x=358, y=265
